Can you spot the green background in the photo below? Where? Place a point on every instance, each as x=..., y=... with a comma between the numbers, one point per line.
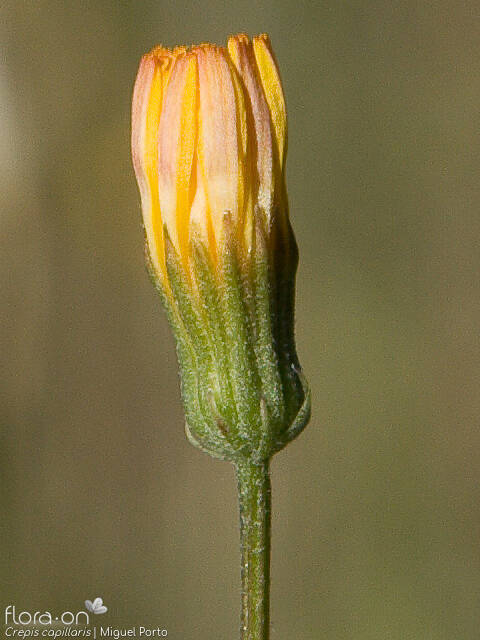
x=376, y=526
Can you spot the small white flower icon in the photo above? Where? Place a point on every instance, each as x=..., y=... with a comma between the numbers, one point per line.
x=96, y=606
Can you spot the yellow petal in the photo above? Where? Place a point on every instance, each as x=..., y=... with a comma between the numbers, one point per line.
x=176, y=149
x=273, y=91
x=242, y=55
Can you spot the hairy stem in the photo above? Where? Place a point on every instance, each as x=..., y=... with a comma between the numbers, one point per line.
x=254, y=494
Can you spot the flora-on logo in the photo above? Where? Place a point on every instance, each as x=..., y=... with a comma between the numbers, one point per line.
x=42, y=618
x=96, y=606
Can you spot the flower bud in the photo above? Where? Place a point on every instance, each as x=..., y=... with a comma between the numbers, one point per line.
x=209, y=137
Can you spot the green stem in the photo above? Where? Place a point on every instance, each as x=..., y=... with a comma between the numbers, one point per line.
x=254, y=496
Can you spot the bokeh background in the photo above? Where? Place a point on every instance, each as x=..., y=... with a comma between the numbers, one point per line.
x=376, y=523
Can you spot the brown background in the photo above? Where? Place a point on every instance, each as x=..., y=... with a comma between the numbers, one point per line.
x=376, y=506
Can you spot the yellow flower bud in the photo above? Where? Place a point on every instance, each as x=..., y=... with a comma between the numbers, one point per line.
x=209, y=135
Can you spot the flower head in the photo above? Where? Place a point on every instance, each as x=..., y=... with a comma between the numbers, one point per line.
x=209, y=134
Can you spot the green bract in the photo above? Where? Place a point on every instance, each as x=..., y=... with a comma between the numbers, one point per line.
x=244, y=394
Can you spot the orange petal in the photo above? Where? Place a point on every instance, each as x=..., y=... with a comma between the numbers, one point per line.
x=146, y=108
x=220, y=152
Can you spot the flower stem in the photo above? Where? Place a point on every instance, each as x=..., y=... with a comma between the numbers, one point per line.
x=254, y=496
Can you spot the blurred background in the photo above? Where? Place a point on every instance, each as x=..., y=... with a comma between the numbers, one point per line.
x=376, y=520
